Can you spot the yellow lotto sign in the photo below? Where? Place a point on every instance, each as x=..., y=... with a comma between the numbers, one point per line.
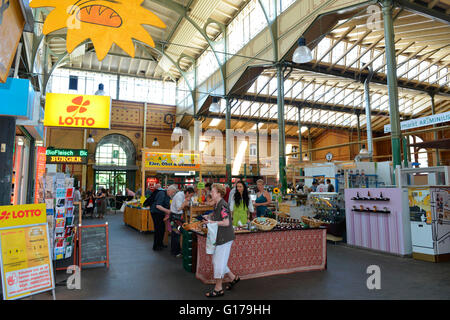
x=77, y=111
x=171, y=161
x=28, y=214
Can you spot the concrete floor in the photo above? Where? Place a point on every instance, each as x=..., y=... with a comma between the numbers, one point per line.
x=137, y=272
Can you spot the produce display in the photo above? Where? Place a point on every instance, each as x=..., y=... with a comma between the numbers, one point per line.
x=290, y=224
x=265, y=224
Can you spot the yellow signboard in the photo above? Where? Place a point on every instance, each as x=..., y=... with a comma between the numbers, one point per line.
x=77, y=111
x=25, y=261
x=28, y=214
x=171, y=161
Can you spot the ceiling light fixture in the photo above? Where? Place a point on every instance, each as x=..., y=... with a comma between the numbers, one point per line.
x=90, y=139
x=214, y=107
x=302, y=54
x=177, y=129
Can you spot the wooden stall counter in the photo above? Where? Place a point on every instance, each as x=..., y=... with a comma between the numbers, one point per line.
x=193, y=211
x=138, y=218
x=267, y=253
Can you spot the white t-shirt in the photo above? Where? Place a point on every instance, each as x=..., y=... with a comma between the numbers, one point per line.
x=231, y=195
x=177, y=202
x=322, y=188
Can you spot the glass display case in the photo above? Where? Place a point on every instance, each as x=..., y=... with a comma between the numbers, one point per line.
x=329, y=207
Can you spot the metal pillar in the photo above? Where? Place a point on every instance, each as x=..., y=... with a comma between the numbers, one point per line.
x=7, y=142
x=300, y=149
x=257, y=150
x=309, y=144
x=358, y=130
x=438, y=162
x=228, y=141
x=281, y=130
x=392, y=83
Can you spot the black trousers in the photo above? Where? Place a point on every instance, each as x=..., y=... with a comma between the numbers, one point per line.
x=160, y=228
x=175, y=235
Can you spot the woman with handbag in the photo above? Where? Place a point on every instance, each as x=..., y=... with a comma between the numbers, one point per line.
x=224, y=240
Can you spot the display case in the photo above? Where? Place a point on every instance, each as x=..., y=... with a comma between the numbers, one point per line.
x=329, y=208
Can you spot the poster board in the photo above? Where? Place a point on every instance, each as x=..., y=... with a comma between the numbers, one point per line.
x=25, y=262
x=94, y=245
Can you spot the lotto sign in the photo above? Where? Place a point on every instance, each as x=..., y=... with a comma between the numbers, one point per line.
x=25, y=263
x=77, y=111
x=13, y=216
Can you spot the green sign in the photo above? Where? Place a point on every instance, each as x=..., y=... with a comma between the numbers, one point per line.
x=115, y=154
x=67, y=156
x=200, y=185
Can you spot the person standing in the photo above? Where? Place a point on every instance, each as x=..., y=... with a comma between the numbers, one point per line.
x=180, y=201
x=241, y=206
x=159, y=209
x=263, y=199
x=232, y=191
x=76, y=199
x=101, y=203
x=330, y=186
x=224, y=240
x=322, y=187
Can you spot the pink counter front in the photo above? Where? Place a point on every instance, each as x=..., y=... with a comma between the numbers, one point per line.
x=263, y=254
x=378, y=230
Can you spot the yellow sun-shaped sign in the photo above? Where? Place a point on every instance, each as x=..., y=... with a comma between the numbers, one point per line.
x=103, y=21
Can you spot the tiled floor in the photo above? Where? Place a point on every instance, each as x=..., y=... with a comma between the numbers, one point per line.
x=137, y=272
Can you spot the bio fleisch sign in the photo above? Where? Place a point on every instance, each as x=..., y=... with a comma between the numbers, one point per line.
x=77, y=111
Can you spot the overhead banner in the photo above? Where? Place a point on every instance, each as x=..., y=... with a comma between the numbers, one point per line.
x=67, y=156
x=25, y=262
x=171, y=161
x=421, y=122
x=76, y=111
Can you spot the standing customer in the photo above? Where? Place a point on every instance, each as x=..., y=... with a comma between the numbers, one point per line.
x=241, y=205
x=159, y=209
x=330, y=186
x=224, y=240
x=180, y=201
x=263, y=199
x=101, y=203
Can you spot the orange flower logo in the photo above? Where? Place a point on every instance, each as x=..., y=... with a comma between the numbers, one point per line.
x=79, y=106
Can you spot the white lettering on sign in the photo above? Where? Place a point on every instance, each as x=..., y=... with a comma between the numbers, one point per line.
x=421, y=122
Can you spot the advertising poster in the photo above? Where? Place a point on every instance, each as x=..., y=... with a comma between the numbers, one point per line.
x=420, y=204
x=40, y=172
x=25, y=261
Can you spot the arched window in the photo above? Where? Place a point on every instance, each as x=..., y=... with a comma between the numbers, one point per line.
x=115, y=150
x=418, y=155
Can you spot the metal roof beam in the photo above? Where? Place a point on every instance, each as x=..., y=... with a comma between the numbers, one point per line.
x=424, y=10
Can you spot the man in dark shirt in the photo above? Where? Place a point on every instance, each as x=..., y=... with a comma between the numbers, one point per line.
x=330, y=186
x=159, y=209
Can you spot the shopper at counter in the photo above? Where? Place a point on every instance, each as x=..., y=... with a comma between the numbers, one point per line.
x=224, y=240
x=241, y=206
x=330, y=187
x=160, y=208
x=322, y=187
x=263, y=199
x=180, y=201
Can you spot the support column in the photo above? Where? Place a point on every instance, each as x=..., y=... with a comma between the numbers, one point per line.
x=309, y=144
x=281, y=130
x=7, y=142
x=358, y=131
x=438, y=162
x=392, y=83
x=84, y=166
x=257, y=150
x=300, y=149
x=228, y=140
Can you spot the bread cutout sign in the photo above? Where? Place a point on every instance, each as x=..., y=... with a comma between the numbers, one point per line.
x=104, y=22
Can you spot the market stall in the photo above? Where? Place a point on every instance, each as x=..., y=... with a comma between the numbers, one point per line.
x=267, y=253
x=289, y=246
x=138, y=218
